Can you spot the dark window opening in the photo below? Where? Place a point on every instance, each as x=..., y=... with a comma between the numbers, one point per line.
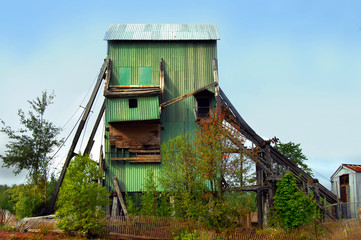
x=344, y=188
x=203, y=106
x=133, y=103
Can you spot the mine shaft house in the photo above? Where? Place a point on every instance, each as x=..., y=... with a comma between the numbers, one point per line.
x=162, y=80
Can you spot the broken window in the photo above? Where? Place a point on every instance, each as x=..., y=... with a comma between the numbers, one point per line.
x=137, y=141
x=203, y=100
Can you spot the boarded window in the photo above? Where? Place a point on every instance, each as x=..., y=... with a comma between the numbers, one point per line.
x=124, y=76
x=145, y=76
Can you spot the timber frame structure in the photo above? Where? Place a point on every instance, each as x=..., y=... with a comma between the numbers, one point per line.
x=270, y=164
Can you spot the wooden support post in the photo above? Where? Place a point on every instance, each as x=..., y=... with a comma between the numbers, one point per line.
x=115, y=207
x=260, y=197
x=269, y=159
x=215, y=76
x=338, y=210
x=77, y=135
x=317, y=190
x=101, y=164
x=101, y=158
x=107, y=210
x=120, y=196
x=90, y=144
x=161, y=80
x=216, y=80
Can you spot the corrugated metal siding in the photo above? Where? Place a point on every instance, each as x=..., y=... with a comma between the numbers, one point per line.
x=131, y=176
x=162, y=32
x=188, y=66
x=117, y=109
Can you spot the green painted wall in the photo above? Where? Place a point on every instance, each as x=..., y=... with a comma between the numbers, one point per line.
x=118, y=109
x=188, y=66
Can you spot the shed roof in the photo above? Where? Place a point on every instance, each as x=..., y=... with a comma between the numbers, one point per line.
x=162, y=32
x=355, y=167
x=352, y=167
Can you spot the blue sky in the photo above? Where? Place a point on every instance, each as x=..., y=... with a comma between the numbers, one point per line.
x=291, y=68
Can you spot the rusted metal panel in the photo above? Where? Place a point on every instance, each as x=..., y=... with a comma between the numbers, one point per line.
x=162, y=32
x=354, y=167
x=118, y=109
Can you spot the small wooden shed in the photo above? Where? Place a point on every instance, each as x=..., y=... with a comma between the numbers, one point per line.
x=346, y=184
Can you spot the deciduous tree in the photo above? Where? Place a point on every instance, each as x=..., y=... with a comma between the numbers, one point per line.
x=294, y=153
x=30, y=147
x=198, y=171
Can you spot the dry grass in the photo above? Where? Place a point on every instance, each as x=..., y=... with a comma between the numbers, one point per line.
x=169, y=227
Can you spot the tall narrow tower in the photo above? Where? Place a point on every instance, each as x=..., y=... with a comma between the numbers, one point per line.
x=151, y=66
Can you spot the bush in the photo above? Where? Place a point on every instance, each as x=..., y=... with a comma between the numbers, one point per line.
x=292, y=208
x=28, y=200
x=80, y=198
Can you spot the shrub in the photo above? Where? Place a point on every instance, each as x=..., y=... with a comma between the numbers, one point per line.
x=292, y=208
x=80, y=198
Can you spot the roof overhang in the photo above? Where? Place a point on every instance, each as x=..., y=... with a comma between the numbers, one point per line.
x=162, y=32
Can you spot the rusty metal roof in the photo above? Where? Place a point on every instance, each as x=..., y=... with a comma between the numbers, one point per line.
x=162, y=32
x=354, y=167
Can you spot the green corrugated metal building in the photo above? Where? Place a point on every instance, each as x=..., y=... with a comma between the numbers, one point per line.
x=152, y=64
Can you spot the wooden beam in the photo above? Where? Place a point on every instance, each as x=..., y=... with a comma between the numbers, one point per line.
x=161, y=80
x=120, y=196
x=137, y=159
x=107, y=77
x=215, y=76
x=115, y=207
x=77, y=135
x=133, y=92
x=144, y=151
x=89, y=146
x=165, y=104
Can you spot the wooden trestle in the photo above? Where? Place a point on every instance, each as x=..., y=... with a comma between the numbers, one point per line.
x=271, y=165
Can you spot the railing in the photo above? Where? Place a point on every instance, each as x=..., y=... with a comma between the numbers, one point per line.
x=348, y=210
x=151, y=226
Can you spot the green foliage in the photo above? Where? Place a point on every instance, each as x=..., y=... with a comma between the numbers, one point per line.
x=27, y=199
x=152, y=202
x=197, y=172
x=132, y=203
x=294, y=153
x=80, y=198
x=180, y=177
x=149, y=198
x=188, y=236
x=5, y=202
x=244, y=201
x=292, y=208
x=29, y=149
